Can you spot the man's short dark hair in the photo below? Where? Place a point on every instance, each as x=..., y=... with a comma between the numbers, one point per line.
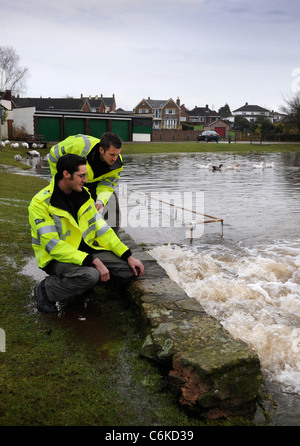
x=69, y=162
x=110, y=139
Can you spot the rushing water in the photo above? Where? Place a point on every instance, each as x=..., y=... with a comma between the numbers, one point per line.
x=249, y=279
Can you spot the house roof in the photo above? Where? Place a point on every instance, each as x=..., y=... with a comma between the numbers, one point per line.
x=97, y=102
x=69, y=104
x=61, y=104
x=218, y=120
x=158, y=103
x=251, y=108
x=202, y=111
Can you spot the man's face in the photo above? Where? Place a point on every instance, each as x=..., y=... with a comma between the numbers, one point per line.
x=78, y=179
x=110, y=156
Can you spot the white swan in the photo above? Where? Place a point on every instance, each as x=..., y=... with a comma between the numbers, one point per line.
x=270, y=165
x=203, y=166
x=259, y=166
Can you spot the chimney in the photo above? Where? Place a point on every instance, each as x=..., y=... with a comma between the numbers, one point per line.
x=178, y=102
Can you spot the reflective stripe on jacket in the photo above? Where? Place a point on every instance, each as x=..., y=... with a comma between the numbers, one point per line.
x=57, y=236
x=82, y=145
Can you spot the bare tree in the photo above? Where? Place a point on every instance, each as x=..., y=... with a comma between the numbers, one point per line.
x=12, y=75
x=292, y=111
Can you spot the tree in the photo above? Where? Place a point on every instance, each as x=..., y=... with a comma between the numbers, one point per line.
x=12, y=75
x=241, y=123
x=224, y=111
x=292, y=111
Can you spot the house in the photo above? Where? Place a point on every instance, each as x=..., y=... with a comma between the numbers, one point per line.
x=184, y=113
x=165, y=113
x=202, y=115
x=6, y=106
x=102, y=104
x=219, y=126
x=252, y=112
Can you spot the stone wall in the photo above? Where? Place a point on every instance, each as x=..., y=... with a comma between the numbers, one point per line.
x=212, y=374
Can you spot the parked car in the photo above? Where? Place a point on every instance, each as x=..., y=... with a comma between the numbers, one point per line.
x=209, y=135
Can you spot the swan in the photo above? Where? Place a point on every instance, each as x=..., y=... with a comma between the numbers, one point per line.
x=259, y=166
x=270, y=165
x=203, y=166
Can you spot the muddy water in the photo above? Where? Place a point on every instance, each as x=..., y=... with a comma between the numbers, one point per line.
x=248, y=279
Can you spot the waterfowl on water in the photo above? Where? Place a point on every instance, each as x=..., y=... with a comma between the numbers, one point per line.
x=216, y=168
x=231, y=167
x=259, y=166
x=203, y=166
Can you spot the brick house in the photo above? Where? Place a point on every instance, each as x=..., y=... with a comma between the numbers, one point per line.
x=219, y=126
x=165, y=113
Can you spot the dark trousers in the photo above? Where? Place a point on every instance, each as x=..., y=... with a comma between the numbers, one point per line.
x=69, y=280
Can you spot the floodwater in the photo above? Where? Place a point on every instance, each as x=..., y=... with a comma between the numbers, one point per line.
x=248, y=279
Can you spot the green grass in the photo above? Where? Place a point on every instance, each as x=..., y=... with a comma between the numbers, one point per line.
x=165, y=147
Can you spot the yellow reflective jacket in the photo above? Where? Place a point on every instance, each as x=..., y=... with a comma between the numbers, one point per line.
x=82, y=145
x=57, y=236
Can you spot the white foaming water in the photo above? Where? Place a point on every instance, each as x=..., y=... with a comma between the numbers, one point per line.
x=254, y=293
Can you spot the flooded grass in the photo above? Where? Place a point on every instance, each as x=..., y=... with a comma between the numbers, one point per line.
x=81, y=368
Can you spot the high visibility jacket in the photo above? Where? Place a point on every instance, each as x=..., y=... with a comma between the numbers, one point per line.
x=57, y=236
x=82, y=145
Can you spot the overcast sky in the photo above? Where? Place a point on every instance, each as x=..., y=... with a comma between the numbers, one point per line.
x=202, y=51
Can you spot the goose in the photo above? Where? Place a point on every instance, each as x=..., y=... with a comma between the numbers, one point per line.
x=33, y=153
x=25, y=145
x=270, y=165
x=230, y=167
x=18, y=157
x=259, y=166
x=215, y=168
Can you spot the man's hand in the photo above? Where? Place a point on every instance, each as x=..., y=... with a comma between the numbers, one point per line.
x=99, y=206
x=134, y=264
x=102, y=270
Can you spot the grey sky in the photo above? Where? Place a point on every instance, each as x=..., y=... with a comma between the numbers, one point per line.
x=202, y=51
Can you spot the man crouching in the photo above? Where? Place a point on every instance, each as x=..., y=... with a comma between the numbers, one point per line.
x=71, y=242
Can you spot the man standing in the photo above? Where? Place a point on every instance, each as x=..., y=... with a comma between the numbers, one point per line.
x=104, y=162
x=71, y=242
